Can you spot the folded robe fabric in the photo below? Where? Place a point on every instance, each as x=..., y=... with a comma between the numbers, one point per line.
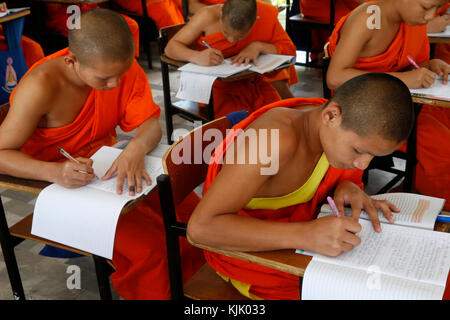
x=432, y=176
x=265, y=282
x=252, y=93
x=139, y=256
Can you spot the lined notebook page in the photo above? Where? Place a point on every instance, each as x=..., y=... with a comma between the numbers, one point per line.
x=415, y=210
x=406, y=253
x=326, y=281
x=437, y=91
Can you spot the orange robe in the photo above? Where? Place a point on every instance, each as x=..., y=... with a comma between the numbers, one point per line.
x=442, y=50
x=265, y=282
x=139, y=254
x=57, y=16
x=320, y=10
x=251, y=93
x=164, y=12
x=432, y=175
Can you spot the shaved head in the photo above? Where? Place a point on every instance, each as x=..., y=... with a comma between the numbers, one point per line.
x=239, y=14
x=104, y=34
x=376, y=104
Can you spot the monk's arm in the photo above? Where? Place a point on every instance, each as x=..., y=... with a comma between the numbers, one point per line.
x=350, y=47
x=148, y=135
x=215, y=223
x=31, y=102
x=178, y=47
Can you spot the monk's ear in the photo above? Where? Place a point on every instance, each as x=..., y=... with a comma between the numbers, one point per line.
x=332, y=115
x=70, y=59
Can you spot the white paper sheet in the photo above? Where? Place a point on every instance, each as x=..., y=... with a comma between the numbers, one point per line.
x=399, y=263
x=86, y=218
x=195, y=87
x=437, y=91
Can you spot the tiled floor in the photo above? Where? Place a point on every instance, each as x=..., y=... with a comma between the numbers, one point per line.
x=49, y=278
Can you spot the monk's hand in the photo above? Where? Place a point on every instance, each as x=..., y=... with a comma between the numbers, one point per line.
x=3, y=6
x=129, y=165
x=348, y=193
x=441, y=68
x=331, y=236
x=208, y=57
x=249, y=54
x=438, y=24
x=419, y=78
x=74, y=175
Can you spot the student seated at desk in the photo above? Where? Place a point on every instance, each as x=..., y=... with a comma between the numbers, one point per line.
x=241, y=29
x=31, y=49
x=57, y=17
x=356, y=49
x=317, y=148
x=75, y=99
x=437, y=25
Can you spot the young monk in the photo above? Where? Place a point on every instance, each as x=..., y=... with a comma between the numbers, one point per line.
x=57, y=16
x=322, y=148
x=241, y=29
x=357, y=49
x=75, y=99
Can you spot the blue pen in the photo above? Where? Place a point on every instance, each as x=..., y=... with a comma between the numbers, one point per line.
x=443, y=218
x=204, y=42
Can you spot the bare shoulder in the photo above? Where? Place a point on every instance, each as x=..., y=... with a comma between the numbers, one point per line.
x=206, y=16
x=279, y=124
x=38, y=87
x=359, y=21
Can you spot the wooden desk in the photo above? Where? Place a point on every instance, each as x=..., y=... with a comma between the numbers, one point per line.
x=430, y=101
x=287, y=260
x=434, y=40
x=14, y=16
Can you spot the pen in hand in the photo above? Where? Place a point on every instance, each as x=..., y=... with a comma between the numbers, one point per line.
x=333, y=207
x=68, y=156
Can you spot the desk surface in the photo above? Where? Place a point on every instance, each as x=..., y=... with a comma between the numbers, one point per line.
x=14, y=16
x=430, y=101
x=287, y=260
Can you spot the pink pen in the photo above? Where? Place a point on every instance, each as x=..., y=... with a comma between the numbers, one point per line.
x=413, y=62
x=333, y=206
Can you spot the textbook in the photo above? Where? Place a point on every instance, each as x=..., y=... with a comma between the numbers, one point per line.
x=438, y=91
x=403, y=261
x=12, y=11
x=86, y=218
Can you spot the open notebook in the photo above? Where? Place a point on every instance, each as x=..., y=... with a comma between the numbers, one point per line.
x=196, y=81
x=438, y=91
x=85, y=218
x=403, y=261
